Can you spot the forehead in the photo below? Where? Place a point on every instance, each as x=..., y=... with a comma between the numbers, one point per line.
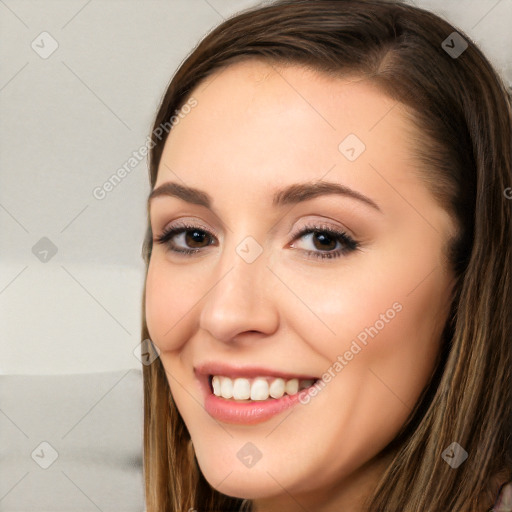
x=256, y=124
x=262, y=94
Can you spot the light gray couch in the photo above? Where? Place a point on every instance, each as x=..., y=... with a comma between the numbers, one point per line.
x=71, y=442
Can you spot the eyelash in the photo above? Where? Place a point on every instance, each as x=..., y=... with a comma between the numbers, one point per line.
x=349, y=243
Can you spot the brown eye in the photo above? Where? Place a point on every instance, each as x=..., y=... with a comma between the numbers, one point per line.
x=195, y=238
x=324, y=242
x=185, y=239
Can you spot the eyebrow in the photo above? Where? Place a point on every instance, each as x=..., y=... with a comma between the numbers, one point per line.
x=292, y=194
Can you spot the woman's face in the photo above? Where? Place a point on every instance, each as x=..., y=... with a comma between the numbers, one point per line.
x=363, y=311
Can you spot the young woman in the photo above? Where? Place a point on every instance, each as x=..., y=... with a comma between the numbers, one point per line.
x=328, y=268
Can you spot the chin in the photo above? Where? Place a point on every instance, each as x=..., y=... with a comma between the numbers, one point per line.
x=265, y=479
x=249, y=486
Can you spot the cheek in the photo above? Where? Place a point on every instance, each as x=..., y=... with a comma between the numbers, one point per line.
x=167, y=311
x=350, y=303
x=379, y=321
x=404, y=354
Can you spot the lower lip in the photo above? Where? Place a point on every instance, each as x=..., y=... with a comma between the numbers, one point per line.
x=247, y=413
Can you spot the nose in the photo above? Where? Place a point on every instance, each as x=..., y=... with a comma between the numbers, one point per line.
x=240, y=299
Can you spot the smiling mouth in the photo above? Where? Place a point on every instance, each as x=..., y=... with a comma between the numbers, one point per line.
x=243, y=389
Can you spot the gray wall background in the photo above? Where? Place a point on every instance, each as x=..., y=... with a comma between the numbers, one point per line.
x=71, y=274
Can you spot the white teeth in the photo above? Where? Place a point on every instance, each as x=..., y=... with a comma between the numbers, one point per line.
x=277, y=388
x=241, y=389
x=292, y=386
x=216, y=385
x=260, y=388
x=226, y=387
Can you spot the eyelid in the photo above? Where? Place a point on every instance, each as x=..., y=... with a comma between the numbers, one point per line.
x=185, y=222
x=322, y=225
x=190, y=222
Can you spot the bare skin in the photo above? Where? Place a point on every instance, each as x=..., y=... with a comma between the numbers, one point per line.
x=255, y=130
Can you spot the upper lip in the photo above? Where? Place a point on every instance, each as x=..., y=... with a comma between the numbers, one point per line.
x=248, y=371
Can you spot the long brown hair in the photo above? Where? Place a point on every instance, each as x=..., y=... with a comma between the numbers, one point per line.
x=463, y=113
